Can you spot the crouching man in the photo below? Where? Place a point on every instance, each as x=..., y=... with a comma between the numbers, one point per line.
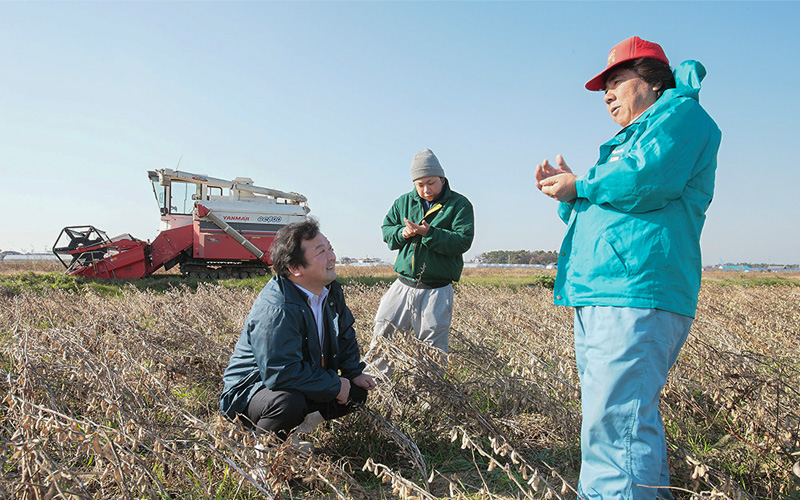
x=297, y=353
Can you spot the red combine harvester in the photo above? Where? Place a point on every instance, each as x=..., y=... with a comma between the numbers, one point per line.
x=212, y=228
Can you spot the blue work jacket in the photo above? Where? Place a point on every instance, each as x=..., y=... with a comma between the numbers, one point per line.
x=279, y=348
x=633, y=233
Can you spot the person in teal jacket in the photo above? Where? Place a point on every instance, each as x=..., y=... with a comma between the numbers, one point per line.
x=431, y=227
x=630, y=261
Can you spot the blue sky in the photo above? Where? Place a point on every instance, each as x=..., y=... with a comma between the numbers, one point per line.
x=333, y=99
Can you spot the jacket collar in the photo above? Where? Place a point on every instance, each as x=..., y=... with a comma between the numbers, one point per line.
x=688, y=76
x=293, y=295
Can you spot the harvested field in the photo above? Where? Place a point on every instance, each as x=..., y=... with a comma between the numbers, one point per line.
x=111, y=392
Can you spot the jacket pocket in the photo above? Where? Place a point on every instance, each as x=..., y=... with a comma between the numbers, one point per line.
x=609, y=257
x=632, y=246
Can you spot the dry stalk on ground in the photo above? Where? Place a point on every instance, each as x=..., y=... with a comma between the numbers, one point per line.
x=118, y=398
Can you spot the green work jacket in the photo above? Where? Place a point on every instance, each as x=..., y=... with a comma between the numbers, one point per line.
x=436, y=257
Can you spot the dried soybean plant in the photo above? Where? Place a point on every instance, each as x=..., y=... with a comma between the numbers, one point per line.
x=529, y=343
x=511, y=381
x=471, y=407
x=116, y=398
x=733, y=401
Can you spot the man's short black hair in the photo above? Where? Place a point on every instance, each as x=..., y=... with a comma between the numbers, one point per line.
x=654, y=72
x=287, y=249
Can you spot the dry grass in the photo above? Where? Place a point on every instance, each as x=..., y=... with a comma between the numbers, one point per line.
x=117, y=398
x=36, y=266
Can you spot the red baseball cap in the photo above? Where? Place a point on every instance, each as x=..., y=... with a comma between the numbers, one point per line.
x=630, y=48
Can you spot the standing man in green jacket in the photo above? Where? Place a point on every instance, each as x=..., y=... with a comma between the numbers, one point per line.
x=431, y=227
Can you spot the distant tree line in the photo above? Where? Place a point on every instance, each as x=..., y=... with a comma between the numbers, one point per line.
x=542, y=257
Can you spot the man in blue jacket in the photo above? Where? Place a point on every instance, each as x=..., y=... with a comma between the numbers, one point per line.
x=630, y=261
x=297, y=353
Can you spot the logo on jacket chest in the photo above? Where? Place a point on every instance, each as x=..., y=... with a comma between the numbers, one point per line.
x=616, y=154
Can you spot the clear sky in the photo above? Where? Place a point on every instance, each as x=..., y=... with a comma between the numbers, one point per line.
x=333, y=99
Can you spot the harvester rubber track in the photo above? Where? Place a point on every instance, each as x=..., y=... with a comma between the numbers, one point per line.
x=222, y=270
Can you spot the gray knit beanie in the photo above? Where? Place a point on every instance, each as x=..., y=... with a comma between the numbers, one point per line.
x=426, y=164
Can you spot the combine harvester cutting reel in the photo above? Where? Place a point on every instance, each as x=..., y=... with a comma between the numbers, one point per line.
x=93, y=254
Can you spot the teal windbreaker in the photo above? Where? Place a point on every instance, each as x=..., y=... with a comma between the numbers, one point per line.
x=633, y=233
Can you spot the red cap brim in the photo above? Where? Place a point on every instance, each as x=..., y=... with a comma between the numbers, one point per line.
x=598, y=82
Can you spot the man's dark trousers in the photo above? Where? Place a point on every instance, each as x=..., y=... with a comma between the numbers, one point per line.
x=282, y=411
